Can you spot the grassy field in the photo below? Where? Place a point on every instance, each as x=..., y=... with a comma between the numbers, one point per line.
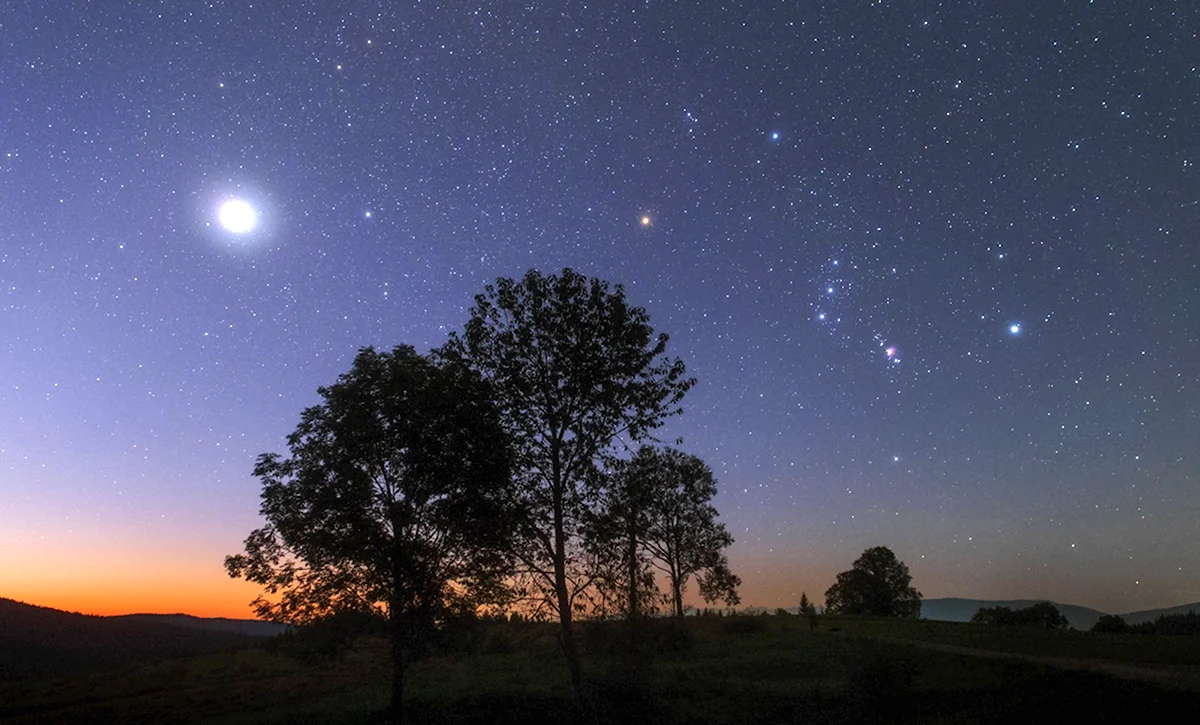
x=1140, y=649
x=740, y=670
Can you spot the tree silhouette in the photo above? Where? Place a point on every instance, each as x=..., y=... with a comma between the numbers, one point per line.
x=393, y=499
x=575, y=367
x=1042, y=614
x=615, y=531
x=808, y=611
x=1110, y=623
x=657, y=508
x=878, y=585
x=684, y=537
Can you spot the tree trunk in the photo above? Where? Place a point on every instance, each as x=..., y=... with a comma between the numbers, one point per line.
x=398, y=624
x=633, y=574
x=396, y=709
x=678, y=597
x=631, y=534
x=566, y=634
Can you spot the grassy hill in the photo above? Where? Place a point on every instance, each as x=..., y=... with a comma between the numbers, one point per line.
x=743, y=670
x=961, y=610
x=40, y=641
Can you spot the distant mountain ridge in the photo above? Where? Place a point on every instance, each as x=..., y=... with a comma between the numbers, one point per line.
x=41, y=641
x=952, y=609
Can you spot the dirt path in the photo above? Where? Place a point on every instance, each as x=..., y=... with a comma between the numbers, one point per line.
x=1187, y=678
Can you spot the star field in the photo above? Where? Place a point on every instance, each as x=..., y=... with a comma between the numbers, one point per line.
x=934, y=266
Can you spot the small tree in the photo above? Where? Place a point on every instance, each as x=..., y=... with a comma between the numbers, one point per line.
x=994, y=615
x=808, y=611
x=616, y=529
x=878, y=585
x=393, y=499
x=678, y=529
x=1110, y=623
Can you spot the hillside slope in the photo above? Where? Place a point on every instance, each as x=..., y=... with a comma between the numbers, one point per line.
x=40, y=641
x=961, y=610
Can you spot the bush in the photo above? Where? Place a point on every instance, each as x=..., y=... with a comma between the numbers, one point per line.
x=328, y=637
x=1042, y=614
x=1110, y=623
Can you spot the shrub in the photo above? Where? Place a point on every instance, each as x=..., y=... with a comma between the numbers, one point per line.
x=1042, y=614
x=1110, y=623
x=328, y=637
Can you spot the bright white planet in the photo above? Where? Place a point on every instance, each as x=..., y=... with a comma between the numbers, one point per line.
x=237, y=216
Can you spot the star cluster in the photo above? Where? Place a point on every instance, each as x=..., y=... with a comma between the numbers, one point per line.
x=934, y=265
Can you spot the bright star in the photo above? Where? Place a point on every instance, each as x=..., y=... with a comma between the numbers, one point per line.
x=645, y=221
x=237, y=216
x=774, y=135
x=1014, y=329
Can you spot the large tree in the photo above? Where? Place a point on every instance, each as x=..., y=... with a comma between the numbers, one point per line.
x=576, y=369
x=659, y=504
x=392, y=499
x=878, y=585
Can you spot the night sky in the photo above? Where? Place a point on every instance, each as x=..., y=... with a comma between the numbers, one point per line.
x=936, y=267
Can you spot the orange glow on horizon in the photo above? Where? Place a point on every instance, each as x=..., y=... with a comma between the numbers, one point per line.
x=200, y=598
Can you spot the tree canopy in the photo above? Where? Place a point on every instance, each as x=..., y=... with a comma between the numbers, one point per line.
x=575, y=368
x=879, y=585
x=657, y=511
x=1110, y=623
x=393, y=499
x=1042, y=614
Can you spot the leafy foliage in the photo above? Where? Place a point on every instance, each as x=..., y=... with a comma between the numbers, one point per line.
x=656, y=513
x=575, y=370
x=1110, y=623
x=878, y=585
x=1042, y=614
x=394, y=498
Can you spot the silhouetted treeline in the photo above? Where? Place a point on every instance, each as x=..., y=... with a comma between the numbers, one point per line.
x=1172, y=624
x=1042, y=614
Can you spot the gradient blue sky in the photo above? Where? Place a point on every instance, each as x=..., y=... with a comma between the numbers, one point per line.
x=935, y=266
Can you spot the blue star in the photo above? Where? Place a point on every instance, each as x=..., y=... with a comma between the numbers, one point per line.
x=1014, y=328
x=774, y=135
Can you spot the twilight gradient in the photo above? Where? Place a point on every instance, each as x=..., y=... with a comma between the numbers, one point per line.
x=935, y=266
